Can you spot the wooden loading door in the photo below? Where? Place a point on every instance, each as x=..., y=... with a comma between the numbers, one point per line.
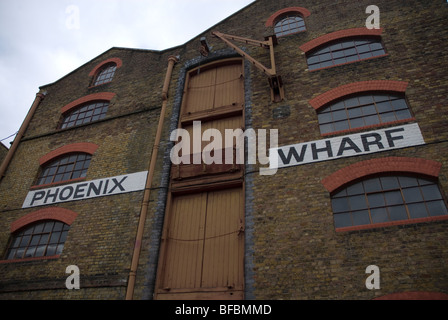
x=202, y=251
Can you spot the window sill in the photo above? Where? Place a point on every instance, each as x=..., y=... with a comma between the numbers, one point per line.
x=98, y=85
x=392, y=223
x=42, y=186
x=30, y=259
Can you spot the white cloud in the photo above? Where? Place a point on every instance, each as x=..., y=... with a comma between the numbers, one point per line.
x=41, y=41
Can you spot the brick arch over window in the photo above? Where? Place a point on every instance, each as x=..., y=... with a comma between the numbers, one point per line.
x=355, y=32
x=414, y=295
x=117, y=61
x=60, y=214
x=381, y=165
x=358, y=87
x=85, y=147
x=272, y=19
x=104, y=96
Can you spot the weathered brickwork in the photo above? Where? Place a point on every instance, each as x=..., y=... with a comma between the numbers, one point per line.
x=3, y=151
x=292, y=249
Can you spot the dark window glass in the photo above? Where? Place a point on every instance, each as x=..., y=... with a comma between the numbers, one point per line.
x=288, y=25
x=64, y=168
x=385, y=199
x=345, y=51
x=106, y=74
x=363, y=110
x=45, y=238
x=85, y=114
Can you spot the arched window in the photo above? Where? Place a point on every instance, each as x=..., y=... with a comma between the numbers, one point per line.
x=289, y=24
x=40, y=239
x=63, y=168
x=361, y=110
x=387, y=198
x=343, y=51
x=105, y=74
x=86, y=113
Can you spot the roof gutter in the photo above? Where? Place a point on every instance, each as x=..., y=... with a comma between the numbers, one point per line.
x=146, y=197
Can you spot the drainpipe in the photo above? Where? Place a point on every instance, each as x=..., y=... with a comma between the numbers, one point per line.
x=39, y=97
x=141, y=224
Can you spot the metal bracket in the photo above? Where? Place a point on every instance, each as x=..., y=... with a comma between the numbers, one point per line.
x=275, y=81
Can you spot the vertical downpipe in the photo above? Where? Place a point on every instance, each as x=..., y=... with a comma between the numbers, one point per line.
x=141, y=224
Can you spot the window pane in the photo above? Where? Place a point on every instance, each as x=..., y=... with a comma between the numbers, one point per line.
x=324, y=118
x=11, y=254
x=51, y=249
x=342, y=220
x=59, y=249
x=352, y=102
x=371, y=120
x=417, y=210
x=379, y=215
x=357, y=202
x=393, y=197
x=372, y=185
x=338, y=106
x=403, y=114
x=407, y=182
x=55, y=237
x=384, y=106
x=24, y=241
x=354, y=112
x=40, y=251
x=44, y=239
x=431, y=192
x=437, y=208
x=397, y=213
x=30, y=252
x=354, y=189
x=341, y=125
x=340, y=205
x=338, y=55
x=19, y=253
x=365, y=55
x=399, y=104
x=388, y=117
x=412, y=195
x=63, y=172
x=39, y=227
x=361, y=218
x=35, y=240
x=368, y=110
x=357, y=123
x=376, y=200
x=389, y=183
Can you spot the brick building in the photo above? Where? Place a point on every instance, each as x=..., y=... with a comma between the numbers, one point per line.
x=3, y=151
x=361, y=176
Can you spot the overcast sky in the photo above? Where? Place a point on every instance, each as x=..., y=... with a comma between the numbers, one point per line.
x=43, y=40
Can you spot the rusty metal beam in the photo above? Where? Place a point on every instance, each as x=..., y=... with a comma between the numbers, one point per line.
x=269, y=43
x=275, y=81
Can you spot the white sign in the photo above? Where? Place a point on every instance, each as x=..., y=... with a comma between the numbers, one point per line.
x=86, y=190
x=346, y=146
